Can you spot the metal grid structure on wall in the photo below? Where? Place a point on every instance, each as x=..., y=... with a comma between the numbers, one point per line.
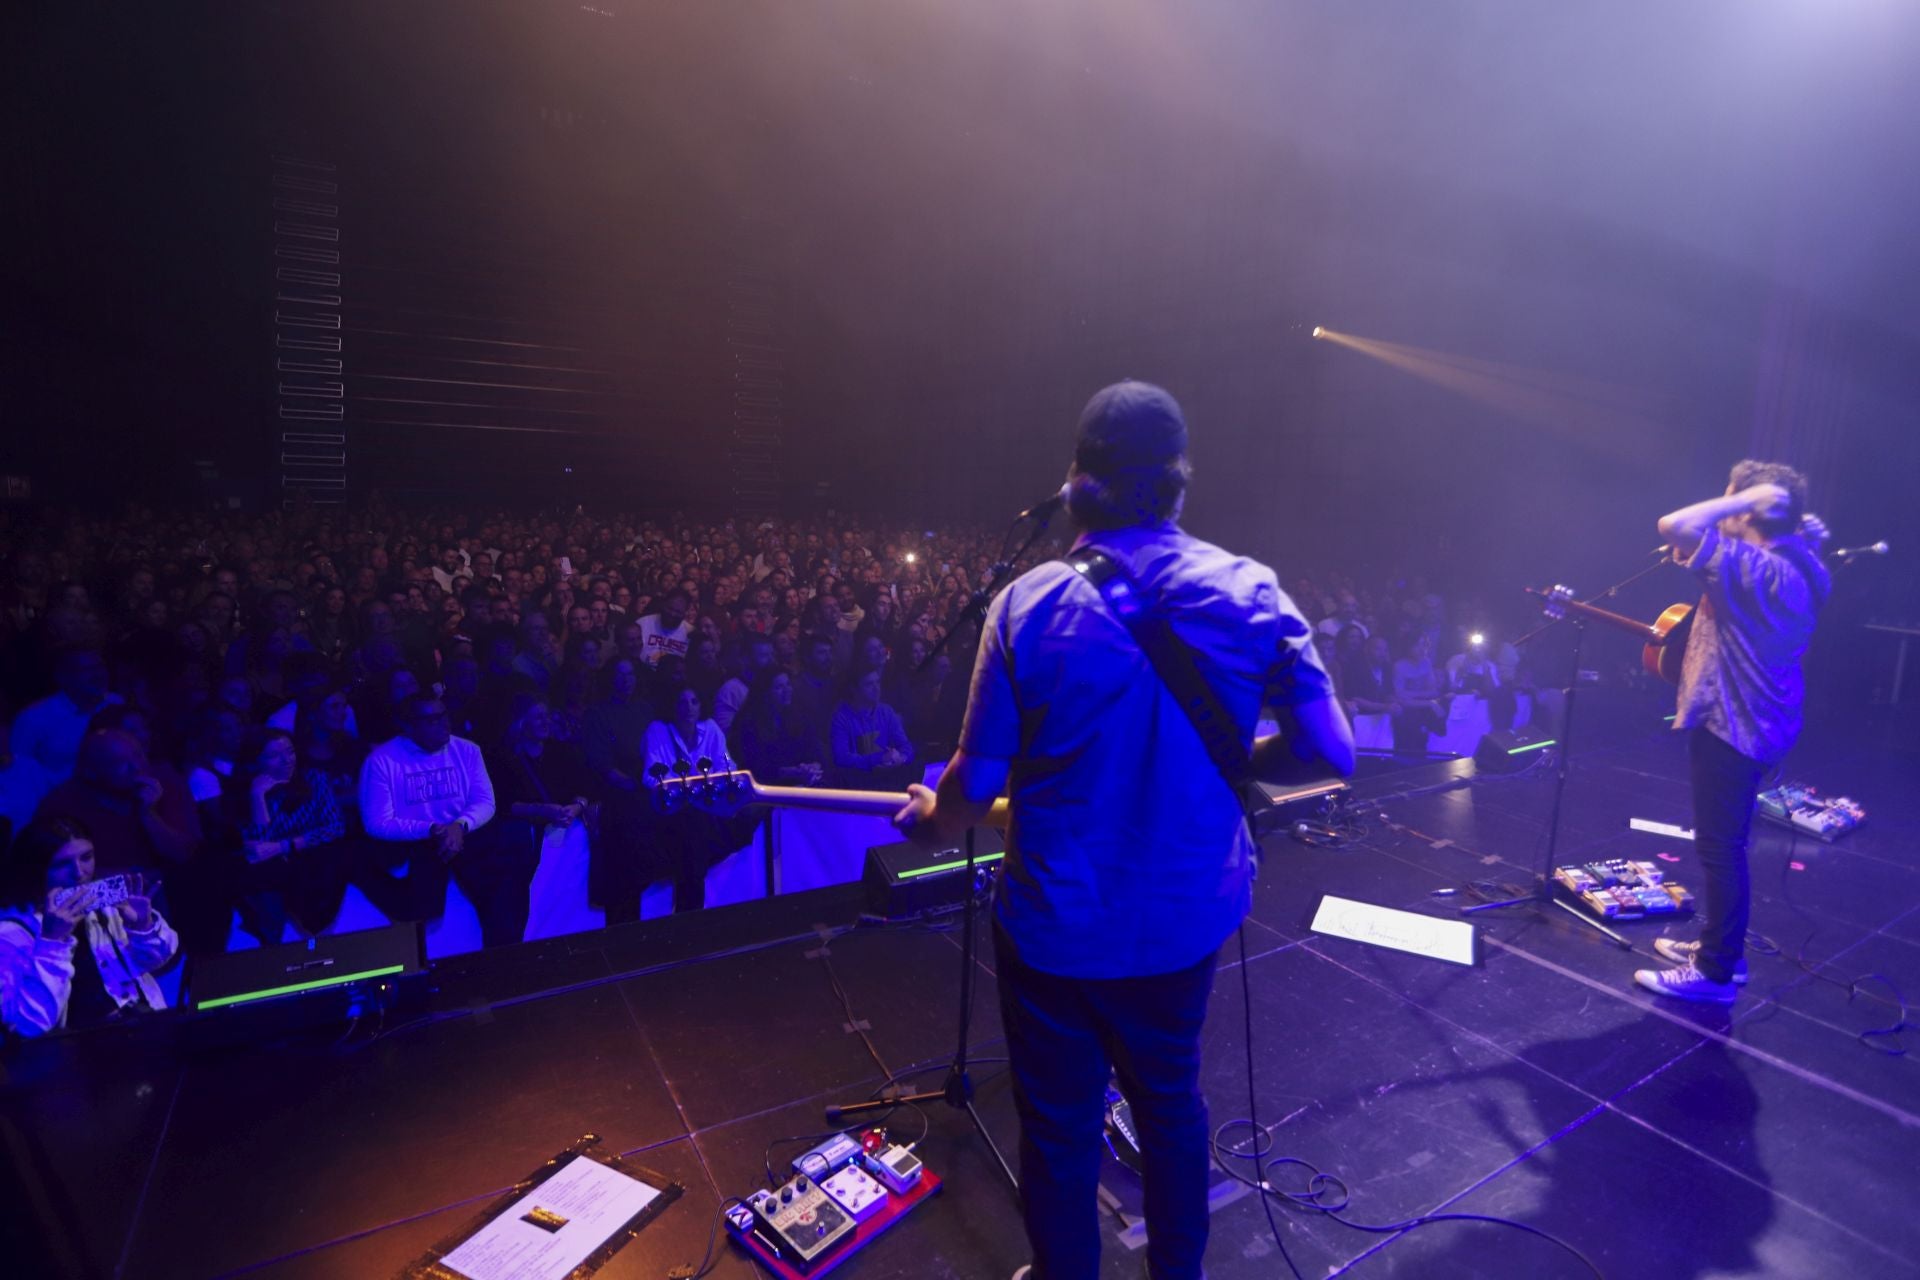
x=308, y=359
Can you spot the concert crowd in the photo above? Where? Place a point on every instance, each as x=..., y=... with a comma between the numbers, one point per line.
x=244, y=714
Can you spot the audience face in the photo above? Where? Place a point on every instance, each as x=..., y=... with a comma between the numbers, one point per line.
x=112, y=761
x=1378, y=654
x=72, y=865
x=276, y=759
x=332, y=714
x=83, y=677
x=867, y=691
x=780, y=690
x=673, y=610
x=820, y=658
x=686, y=708
x=536, y=723
x=425, y=723
x=623, y=679
x=236, y=694
x=536, y=633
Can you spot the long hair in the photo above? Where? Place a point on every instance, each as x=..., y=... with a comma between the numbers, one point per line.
x=23, y=883
x=239, y=793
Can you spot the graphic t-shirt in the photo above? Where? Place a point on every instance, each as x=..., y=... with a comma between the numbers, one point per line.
x=658, y=642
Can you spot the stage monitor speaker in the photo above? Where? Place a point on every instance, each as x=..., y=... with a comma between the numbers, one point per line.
x=1510, y=750
x=326, y=963
x=906, y=879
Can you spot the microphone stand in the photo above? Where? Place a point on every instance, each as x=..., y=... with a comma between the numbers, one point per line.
x=957, y=1091
x=1543, y=887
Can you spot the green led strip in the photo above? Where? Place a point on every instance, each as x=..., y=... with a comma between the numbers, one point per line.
x=948, y=866
x=316, y=984
x=1533, y=746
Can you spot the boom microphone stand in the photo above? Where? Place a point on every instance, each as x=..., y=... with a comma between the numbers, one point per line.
x=957, y=1091
x=1543, y=886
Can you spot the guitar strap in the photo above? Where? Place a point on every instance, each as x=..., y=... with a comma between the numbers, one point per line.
x=1174, y=661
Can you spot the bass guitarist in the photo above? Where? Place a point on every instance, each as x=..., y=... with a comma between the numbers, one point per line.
x=1755, y=551
x=1129, y=862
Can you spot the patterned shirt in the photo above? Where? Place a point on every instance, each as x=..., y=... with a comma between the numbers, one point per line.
x=1740, y=679
x=316, y=818
x=1128, y=854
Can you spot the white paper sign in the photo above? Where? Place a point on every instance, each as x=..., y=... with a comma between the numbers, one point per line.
x=1449, y=940
x=554, y=1227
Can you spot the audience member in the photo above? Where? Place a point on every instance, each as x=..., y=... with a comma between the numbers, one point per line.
x=24, y=782
x=667, y=633
x=48, y=732
x=1416, y=687
x=62, y=962
x=427, y=805
x=292, y=855
x=687, y=843
x=771, y=740
x=870, y=745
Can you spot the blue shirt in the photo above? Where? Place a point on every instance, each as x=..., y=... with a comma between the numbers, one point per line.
x=1128, y=854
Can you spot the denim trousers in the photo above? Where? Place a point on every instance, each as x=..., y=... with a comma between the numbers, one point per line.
x=1064, y=1036
x=1725, y=785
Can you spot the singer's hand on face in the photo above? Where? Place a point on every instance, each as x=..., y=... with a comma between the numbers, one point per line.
x=1768, y=501
x=1814, y=530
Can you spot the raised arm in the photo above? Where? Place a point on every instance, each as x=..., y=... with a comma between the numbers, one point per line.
x=1687, y=527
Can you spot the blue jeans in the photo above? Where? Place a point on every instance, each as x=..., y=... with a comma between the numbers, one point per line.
x=1725, y=784
x=1064, y=1035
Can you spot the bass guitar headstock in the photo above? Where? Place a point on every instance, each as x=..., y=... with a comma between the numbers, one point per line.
x=697, y=785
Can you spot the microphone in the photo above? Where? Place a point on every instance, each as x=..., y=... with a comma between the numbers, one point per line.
x=1047, y=507
x=1874, y=549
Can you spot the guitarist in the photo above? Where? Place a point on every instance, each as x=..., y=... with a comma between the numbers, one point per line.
x=1755, y=551
x=1129, y=861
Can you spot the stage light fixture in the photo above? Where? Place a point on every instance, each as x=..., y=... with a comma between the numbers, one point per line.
x=1476, y=639
x=1317, y=331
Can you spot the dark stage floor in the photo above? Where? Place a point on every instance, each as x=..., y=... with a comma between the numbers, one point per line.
x=1668, y=1141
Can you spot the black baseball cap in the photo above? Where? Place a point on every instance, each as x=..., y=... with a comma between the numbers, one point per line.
x=1130, y=426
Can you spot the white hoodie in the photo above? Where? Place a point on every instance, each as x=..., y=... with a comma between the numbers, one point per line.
x=406, y=792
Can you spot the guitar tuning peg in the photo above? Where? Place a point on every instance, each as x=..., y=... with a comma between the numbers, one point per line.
x=681, y=766
x=704, y=764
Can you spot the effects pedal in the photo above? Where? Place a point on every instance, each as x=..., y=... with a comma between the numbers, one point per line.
x=854, y=1190
x=896, y=1166
x=799, y=1223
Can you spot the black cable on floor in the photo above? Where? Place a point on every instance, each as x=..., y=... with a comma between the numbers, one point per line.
x=1320, y=1185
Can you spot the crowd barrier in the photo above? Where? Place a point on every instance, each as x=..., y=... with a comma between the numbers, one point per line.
x=796, y=850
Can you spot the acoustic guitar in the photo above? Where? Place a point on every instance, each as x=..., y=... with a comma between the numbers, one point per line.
x=1665, y=638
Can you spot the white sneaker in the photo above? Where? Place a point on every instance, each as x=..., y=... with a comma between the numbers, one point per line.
x=1686, y=983
x=1687, y=952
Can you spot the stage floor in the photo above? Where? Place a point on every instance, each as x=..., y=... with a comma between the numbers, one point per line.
x=1663, y=1140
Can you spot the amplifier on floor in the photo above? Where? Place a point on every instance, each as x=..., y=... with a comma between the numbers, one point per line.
x=1272, y=806
x=1510, y=750
x=240, y=978
x=905, y=879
